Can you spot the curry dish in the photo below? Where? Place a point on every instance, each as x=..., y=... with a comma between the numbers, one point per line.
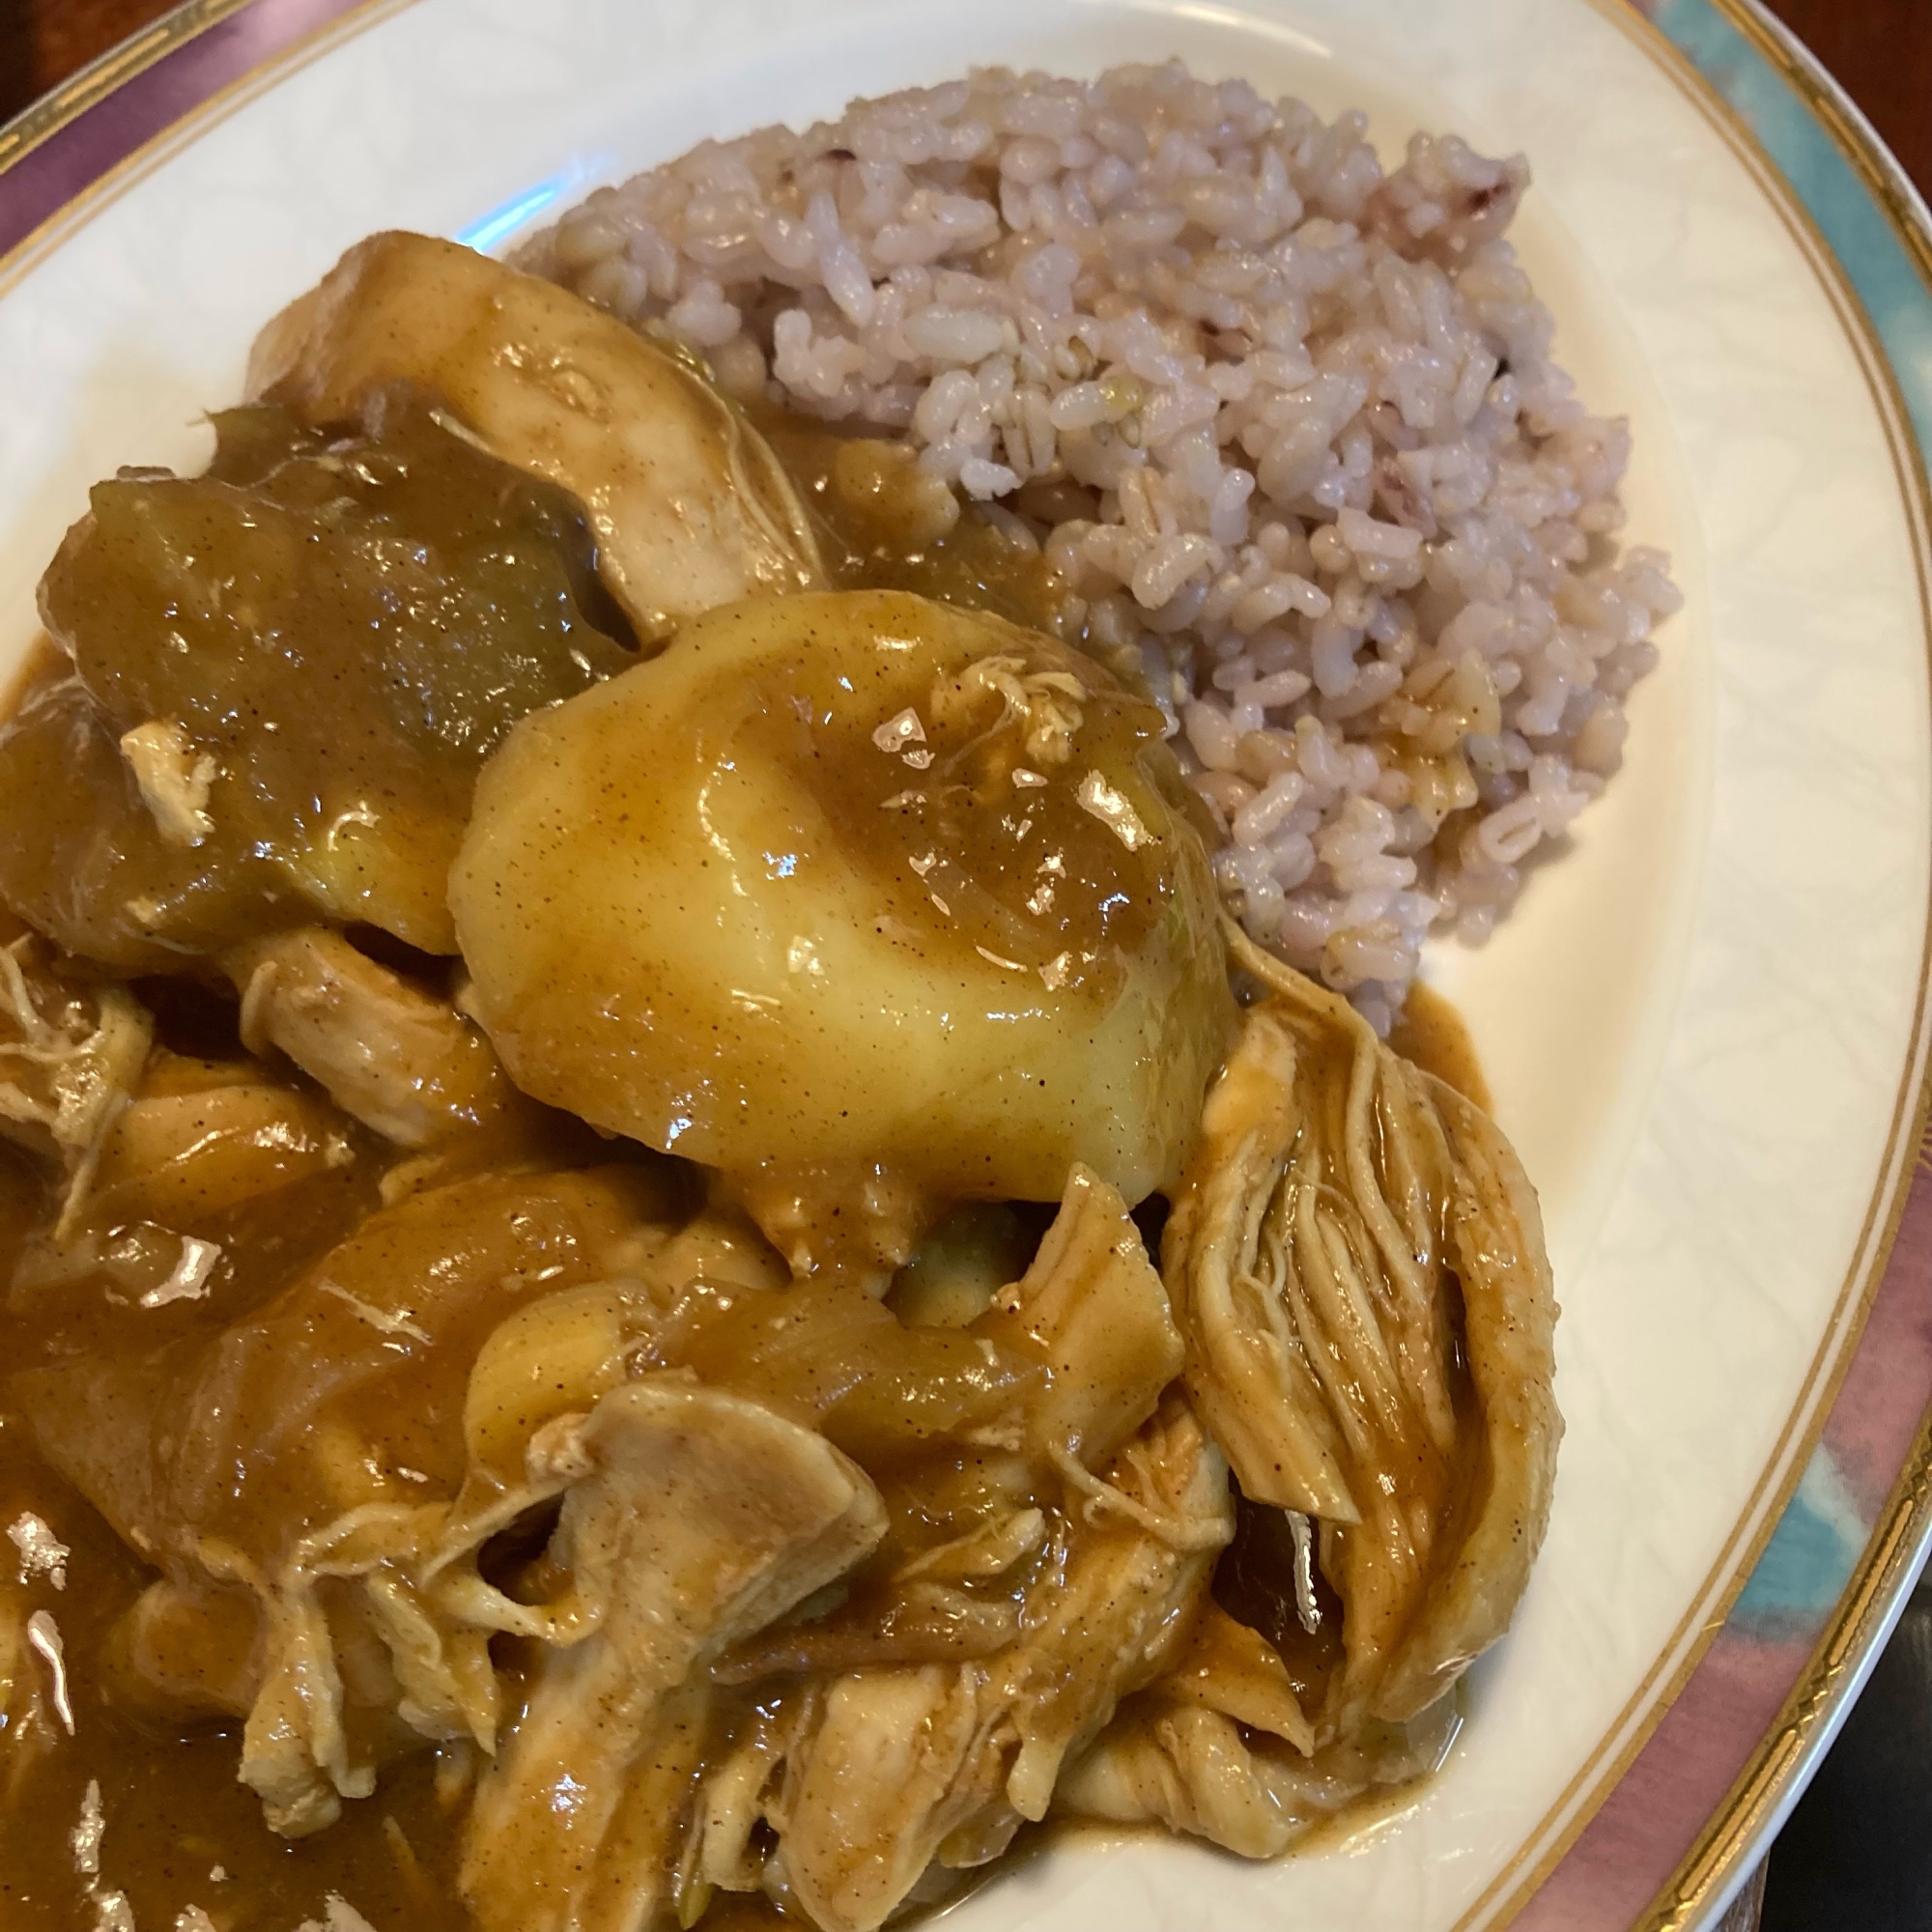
x=665, y=1263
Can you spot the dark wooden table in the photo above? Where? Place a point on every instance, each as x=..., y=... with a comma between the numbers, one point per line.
x=1880, y=49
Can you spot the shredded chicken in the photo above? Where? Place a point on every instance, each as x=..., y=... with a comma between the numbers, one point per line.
x=991, y=1549
x=720, y=1852
x=297, y=1751
x=898, y=1761
x=944, y=1762
x=69, y=1057
x=195, y=1144
x=1093, y=1311
x=1225, y=1666
x=173, y=782
x=689, y=507
x=693, y=1517
x=1195, y=1770
x=1043, y=706
x=1357, y=1261
x=537, y=1374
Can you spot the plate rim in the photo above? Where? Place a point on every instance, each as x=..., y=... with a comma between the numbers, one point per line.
x=1898, y=1546
x=1854, y=1629
x=1845, y=1648
x=1844, y=1644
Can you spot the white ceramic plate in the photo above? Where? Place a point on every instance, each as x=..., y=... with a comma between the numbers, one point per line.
x=1702, y=1026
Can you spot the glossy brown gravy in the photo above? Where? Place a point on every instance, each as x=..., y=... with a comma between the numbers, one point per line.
x=1429, y=1033
x=179, y=1829
x=405, y=599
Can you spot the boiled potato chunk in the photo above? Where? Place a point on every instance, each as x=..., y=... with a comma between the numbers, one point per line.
x=854, y=877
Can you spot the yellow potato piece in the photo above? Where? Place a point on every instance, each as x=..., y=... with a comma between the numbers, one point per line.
x=854, y=878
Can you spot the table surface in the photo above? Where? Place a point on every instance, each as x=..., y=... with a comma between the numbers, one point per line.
x=1880, y=49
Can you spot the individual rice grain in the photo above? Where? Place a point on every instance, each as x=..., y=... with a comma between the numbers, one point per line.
x=1287, y=424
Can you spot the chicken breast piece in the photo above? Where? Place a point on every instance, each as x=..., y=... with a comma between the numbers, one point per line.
x=71, y=1055
x=1195, y=1770
x=1093, y=1311
x=1356, y=1261
x=408, y=1065
x=695, y=1517
x=945, y=1761
x=688, y=505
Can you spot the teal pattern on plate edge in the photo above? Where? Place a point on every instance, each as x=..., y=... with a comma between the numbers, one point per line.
x=1613, y=1875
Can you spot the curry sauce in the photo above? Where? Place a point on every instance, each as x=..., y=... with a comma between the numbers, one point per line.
x=319, y=542
x=235, y=1310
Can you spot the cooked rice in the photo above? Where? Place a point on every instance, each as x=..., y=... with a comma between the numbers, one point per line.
x=1287, y=425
